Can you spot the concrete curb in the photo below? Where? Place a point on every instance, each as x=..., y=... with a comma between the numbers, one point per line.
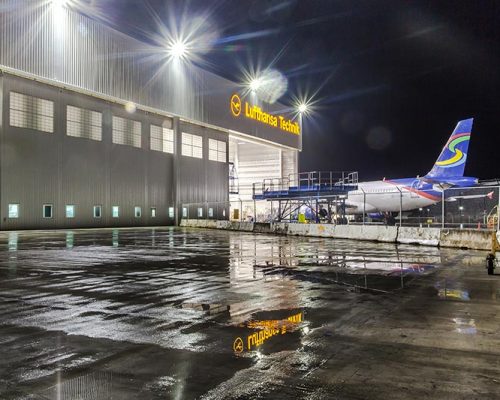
x=436, y=237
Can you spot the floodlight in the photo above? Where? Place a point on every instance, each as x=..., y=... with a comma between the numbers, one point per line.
x=302, y=108
x=178, y=49
x=60, y=3
x=254, y=84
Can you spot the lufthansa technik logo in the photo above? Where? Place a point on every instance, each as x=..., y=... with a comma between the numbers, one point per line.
x=236, y=105
x=256, y=113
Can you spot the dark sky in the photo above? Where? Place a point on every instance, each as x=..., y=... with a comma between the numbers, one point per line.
x=391, y=78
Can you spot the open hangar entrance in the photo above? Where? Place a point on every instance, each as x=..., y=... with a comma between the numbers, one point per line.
x=251, y=161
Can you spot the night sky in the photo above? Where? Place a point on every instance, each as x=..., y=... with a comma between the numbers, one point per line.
x=390, y=78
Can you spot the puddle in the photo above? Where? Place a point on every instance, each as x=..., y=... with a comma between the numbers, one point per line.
x=268, y=332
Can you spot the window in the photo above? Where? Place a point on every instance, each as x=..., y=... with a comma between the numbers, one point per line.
x=184, y=212
x=83, y=123
x=216, y=150
x=162, y=139
x=171, y=213
x=115, y=211
x=153, y=212
x=97, y=211
x=200, y=212
x=13, y=210
x=70, y=211
x=47, y=211
x=127, y=132
x=137, y=212
x=210, y=213
x=31, y=112
x=192, y=145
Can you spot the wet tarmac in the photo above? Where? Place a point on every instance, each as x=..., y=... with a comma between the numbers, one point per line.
x=182, y=314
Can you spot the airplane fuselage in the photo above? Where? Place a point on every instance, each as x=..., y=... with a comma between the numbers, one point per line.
x=401, y=194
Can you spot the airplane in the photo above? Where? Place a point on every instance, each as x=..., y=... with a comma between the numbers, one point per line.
x=393, y=195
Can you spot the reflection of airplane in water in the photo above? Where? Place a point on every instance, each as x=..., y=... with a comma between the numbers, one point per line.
x=391, y=195
x=374, y=276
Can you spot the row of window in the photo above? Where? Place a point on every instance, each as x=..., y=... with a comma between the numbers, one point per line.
x=199, y=212
x=47, y=211
x=38, y=114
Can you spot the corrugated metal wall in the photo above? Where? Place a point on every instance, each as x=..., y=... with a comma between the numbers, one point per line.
x=58, y=43
x=203, y=180
x=39, y=168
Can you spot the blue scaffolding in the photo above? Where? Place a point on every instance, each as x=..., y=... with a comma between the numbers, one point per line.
x=314, y=190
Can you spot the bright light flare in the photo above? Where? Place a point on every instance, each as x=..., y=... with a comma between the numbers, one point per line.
x=60, y=3
x=130, y=107
x=178, y=50
x=304, y=105
x=254, y=84
x=268, y=85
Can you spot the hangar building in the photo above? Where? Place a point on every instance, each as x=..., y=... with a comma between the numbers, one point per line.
x=97, y=130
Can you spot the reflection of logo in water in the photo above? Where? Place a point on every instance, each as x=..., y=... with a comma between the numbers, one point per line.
x=236, y=105
x=238, y=345
x=458, y=157
x=267, y=329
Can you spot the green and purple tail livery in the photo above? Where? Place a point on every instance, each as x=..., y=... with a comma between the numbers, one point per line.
x=451, y=161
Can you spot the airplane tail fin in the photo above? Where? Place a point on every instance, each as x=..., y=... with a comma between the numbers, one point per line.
x=451, y=161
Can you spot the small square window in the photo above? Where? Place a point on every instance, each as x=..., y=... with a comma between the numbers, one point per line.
x=115, y=211
x=210, y=213
x=153, y=212
x=184, y=212
x=200, y=212
x=171, y=213
x=47, y=211
x=137, y=212
x=70, y=211
x=97, y=211
x=13, y=210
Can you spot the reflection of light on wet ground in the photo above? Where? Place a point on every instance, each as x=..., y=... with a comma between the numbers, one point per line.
x=187, y=295
x=95, y=386
x=454, y=294
x=448, y=290
x=259, y=331
x=13, y=238
x=465, y=326
x=70, y=239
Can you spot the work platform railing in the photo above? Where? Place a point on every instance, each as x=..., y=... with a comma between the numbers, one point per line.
x=305, y=184
x=463, y=208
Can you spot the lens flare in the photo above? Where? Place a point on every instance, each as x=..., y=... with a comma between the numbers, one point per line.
x=178, y=49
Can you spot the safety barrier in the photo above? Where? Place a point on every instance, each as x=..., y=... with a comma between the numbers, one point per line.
x=377, y=233
x=423, y=236
x=465, y=238
x=457, y=238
